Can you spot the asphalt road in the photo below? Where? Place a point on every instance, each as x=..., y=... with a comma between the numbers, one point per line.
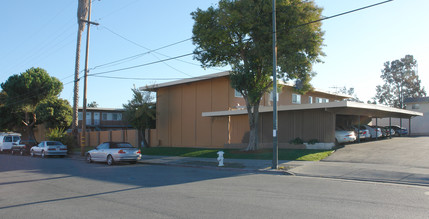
x=69, y=188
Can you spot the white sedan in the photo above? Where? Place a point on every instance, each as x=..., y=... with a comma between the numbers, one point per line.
x=344, y=136
x=112, y=152
x=49, y=148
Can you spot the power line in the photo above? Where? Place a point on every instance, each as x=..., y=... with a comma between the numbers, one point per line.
x=341, y=14
x=150, y=51
x=137, y=66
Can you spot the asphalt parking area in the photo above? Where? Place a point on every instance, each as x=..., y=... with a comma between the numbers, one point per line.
x=401, y=151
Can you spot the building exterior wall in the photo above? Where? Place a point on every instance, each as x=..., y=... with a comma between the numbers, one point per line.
x=96, y=121
x=419, y=124
x=180, y=122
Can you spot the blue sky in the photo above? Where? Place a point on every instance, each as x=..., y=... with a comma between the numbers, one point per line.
x=43, y=34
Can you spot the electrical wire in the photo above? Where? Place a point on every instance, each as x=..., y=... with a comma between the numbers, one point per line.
x=137, y=66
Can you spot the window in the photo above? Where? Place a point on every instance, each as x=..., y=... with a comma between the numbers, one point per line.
x=112, y=116
x=318, y=100
x=296, y=98
x=415, y=106
x=80, y=115
x=96, y=118
x=7, y=139
x=237, y=94
x=325, y=100
x=88, y=118
x=310, y=99
x=16, y=138
x=272, y=94
x=103, y=146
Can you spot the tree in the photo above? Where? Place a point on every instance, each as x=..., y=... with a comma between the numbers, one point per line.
x=55, y=113
x=93, y=104
x=239, y=33
x=82, y=14
x=400, y=82
x=24, y=92
x=140, y=112
x=351, y=93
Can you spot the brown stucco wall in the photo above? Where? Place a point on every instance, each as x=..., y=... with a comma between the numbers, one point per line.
x=180, y=122
x=307, y=125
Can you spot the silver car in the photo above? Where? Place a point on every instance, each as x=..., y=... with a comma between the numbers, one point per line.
x=112, y=152
x=49, y=148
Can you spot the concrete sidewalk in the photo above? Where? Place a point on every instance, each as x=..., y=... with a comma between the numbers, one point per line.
x=365, y=172
x=229, y=164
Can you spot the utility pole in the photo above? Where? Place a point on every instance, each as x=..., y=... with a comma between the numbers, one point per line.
x=83, y=138
x=275, y=139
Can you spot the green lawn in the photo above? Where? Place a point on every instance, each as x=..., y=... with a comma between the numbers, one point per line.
x=265, y=154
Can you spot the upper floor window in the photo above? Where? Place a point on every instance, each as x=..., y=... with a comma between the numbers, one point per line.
x=272, y=94
x=237, y=94
x=112, y=116
x=296, y=98
x=319, y=100
x=310, y=99
x=326, y=100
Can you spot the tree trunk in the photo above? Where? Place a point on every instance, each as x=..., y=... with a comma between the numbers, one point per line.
x=75, y=122
x=253, y=114
x=28, y=130
x=142, y=132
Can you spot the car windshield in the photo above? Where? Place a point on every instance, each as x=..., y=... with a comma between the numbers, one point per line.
x=122, y=145
x=51, y=143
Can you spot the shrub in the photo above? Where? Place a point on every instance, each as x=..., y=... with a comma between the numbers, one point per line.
x=313, y=141
x=297, y=141
x=58, y=134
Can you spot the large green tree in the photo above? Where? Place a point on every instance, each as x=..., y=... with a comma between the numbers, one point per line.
x=400, y=82
x=140, y=112
x=238, y=33
x=24, y=92
x=55, y=113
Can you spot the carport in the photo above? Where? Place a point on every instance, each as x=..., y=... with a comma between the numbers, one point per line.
x=360, y=113
x=306, y=121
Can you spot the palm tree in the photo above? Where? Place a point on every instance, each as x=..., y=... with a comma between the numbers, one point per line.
x=82, y=14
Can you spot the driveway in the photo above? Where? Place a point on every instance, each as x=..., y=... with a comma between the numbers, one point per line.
x=398, y=160
x=400, y=151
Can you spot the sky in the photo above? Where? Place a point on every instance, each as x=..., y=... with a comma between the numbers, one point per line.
x=43, y=34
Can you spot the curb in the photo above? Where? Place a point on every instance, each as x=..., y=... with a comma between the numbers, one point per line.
x=274, y=172
x=372, y=180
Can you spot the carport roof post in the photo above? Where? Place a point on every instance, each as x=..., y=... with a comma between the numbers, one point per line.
x=341, y=107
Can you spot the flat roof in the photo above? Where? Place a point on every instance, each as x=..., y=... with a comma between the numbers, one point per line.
x=340, y=107
x=218, y=75
x=101, y=109
x=417, y=100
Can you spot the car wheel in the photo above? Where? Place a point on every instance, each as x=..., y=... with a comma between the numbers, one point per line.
x=397, y=134
x=32, y=153
x=110, y=160
x=88, y=158
x=43, y=154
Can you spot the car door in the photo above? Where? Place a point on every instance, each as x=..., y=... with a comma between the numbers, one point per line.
x=7, y=142
x=104, y=151
x=39, y=148
x=96, y=155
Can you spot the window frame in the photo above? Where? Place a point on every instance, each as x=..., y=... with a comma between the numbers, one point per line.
x=297, y=99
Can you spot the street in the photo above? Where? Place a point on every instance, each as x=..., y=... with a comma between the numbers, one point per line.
x=71, y=188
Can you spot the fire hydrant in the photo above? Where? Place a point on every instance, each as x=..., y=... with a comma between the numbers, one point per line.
x=220, y=158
